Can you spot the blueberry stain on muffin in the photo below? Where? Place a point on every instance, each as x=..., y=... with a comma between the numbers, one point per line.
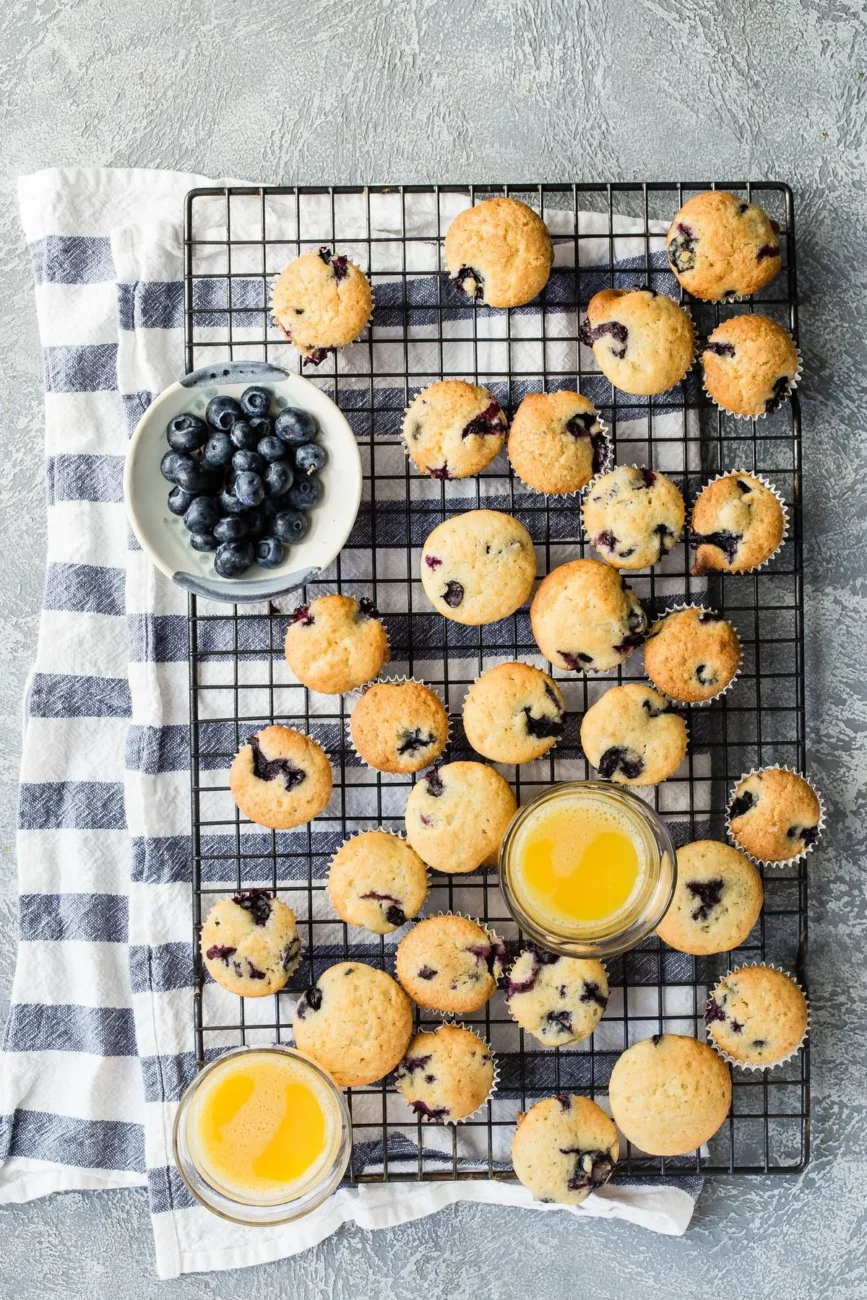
x=707, y=894
x=310, y=1001
x=272, y=769
x=720, y=349
x=592, y=1168
x=220, y=952
x=724, y=540
x=338, y=264
x=780, y=391
x=453, y=594
x=617, y=331
x=617, y=758
x=742, y=803
x=427, y=973
x=487, y=422
x=543, y=728
x=304, y=616
x=257, y=902
x=470, y=281
x=682, y=248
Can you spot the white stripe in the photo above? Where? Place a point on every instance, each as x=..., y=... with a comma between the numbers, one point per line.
x=72, y=861
x=85, y=423
x=160, y=913
x=87, y=532
x=158, y=805
x=26, y=1180
x=160, y=693
x=84, y=644
x=94, y=1087
x=73, y=749
x=72, y=314
x=86, y=974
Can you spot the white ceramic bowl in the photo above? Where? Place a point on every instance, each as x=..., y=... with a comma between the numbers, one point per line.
x=162, y=535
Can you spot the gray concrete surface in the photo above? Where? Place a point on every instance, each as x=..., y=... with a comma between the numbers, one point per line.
x=424, y=90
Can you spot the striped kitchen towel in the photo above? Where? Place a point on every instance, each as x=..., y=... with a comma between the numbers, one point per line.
x=98, y=1046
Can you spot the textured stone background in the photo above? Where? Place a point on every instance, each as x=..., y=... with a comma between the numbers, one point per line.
x=427, y=90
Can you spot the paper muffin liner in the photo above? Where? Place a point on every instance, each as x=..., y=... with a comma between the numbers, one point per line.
x=697, y=704
x=607, y=464
x=754, y=1066
x=785, y=862
x=453, y=478
x=335, y=349
x=596, y=479
x=495, y=1081
x=397, y=681
x=451, y=1016
x=760, y=415
x=766, y=483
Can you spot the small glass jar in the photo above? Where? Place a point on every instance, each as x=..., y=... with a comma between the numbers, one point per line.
x=650, y=897
x=311, y=1191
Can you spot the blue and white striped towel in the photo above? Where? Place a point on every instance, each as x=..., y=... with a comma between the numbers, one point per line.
x=98, y=1046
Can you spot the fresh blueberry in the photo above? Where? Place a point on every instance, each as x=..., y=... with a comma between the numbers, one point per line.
x=244, y=436
x=187, y=433
x=262, y=426
x=305, y=493
x=180, y=501
x=310, y=458
x=248, y=462
x=222, y=413
x=257, y=523
x=194, y=478
x=271, y=448
x=249, y=489
x=202, y=515
x=173, y=461
x=295, y=426
x=255, y=401
x=269, y=552
x=203, y=541
x=218, y=451
x=233, y=559
x=229, y=503
x=290, y=525
x=278, y=478
x=231, y=529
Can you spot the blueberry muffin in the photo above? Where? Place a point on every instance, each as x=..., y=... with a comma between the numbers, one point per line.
x=669, y=1094
x=453, y=429
x=737, y=525
x=478, y=567
x=692, y=654
x=564, y=1148
x=774, y=815
x=280, y=778
x=399, y=727
x=557, y=443
x=447, y=1074
x=717, y=900
x=757, y=1016
x=514, y=713
x=457, y=815
x=556, y=999
x=355, y=1022
x=632, y=736
x=584, y=617
x=376, y=881
x=336, y=643
x=321, y=301
x=750, y=365
x=643, y=341
x=499, y=252
x=249, y=943
x=720, y=247
x=633, y=516
x=450, y=964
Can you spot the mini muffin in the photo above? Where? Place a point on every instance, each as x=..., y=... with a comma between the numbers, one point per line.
x=376, y=881
x=774, y=815
x=447, y=1074
x=564, y=1148
x=457, y=815
x=584, y=617
x=643, y=341
x=556, y=442
x=633, y=516
x=721, y=247
x=321, y=301
x=514, y=713
x=632, y=736
x=499, y=252
x=355, y=1022
x=249, y=943
x=450, y=964
x=478, y=567
x=336, y=643
x=453, y=429
x=717, y=900
x=692, y=654
x=669, y=1094
x=280, y=778
x=556, y=999
x=750, y=365
x=757, y=1016
x=737, y=524
x=399, y=726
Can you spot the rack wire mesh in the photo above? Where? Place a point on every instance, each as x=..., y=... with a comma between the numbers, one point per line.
x=236, y=241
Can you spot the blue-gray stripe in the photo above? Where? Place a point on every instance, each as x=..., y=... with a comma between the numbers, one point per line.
x=85, y=589
x=76, y=805
x=166, y=1078
x=84, y=478
x=89, y=918
x=151, y=304
x=168, y=1191
x=67, y=1140
x=80, y=368
x=157, y=638
x=158, y=749
x=161, y=967
x=134, y=407
x=161, y=859
x=58, y=695
x=67, y=1027
x=72, y=259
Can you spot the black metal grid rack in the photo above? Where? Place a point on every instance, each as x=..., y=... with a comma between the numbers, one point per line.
x=236, y=242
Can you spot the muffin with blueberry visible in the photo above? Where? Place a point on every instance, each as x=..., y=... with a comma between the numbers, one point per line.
x=644, y=342
x=499, y=252
x=478, y=567
x=355, y=1021
x=585, y=618
x=557, y=443
x=558, y=1000
x=453, y=429
x=750, y=365
x=774, y=815
x=564, y=1148
x=738, y=523
x=717, y=900
x=633, y=516
x=321, y=301
x=446, y=1074
x=457, y=815
x=692, y=654
x=450, y=964
x=336, y=643
x=757, y=1016
x=399, y=727
x=721, y=247
x=631, y=735
x=514, y=713
x=249, y=943
x=376, y=881
x=280, y=778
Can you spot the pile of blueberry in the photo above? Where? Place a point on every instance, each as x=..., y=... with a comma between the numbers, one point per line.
x=242, y=480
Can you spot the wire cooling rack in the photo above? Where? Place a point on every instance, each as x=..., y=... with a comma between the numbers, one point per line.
x=236, y=241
